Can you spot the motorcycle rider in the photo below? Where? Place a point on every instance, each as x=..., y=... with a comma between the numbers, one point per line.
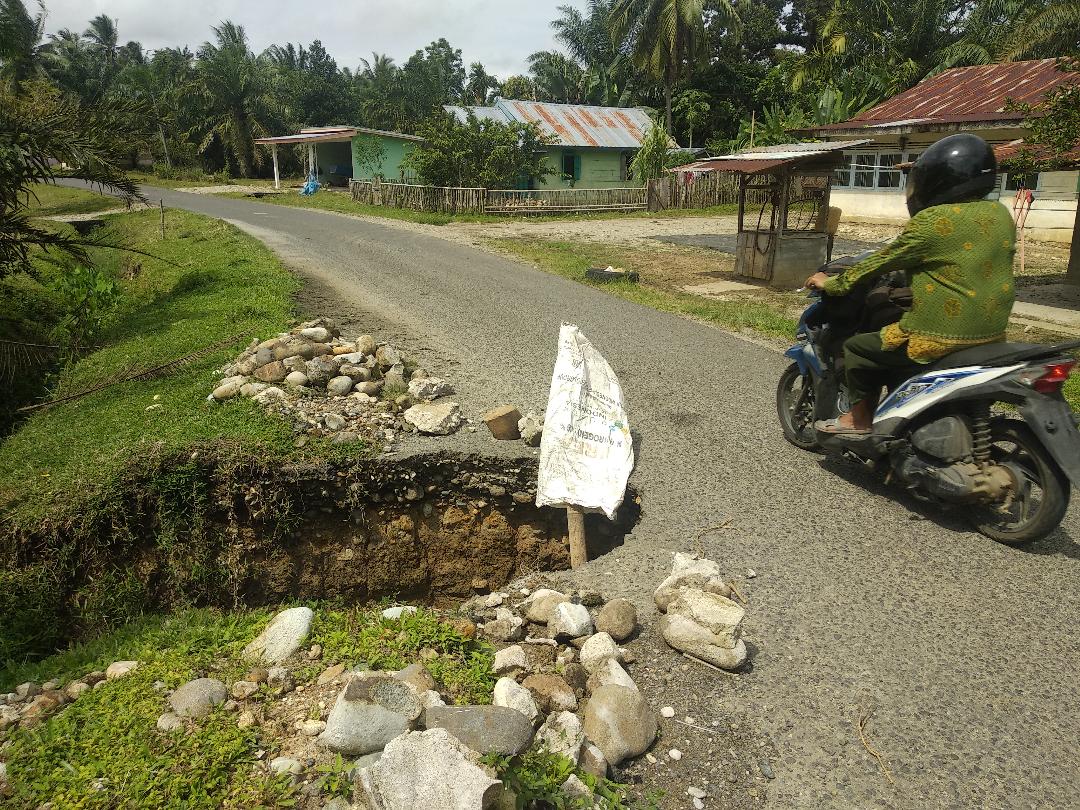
x=957, y=253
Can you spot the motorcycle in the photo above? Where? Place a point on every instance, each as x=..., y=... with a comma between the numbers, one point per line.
x=948, y=434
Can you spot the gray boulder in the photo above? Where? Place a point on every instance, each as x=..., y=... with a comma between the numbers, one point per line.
x=317, y=334
x=484, y=729
x=196, y=698
x=371, y=710
x=541, y=604
x=365, y=344
x=297, y=378
x=429, y=769
x=339, y=386
x=320, y=371
x=282, y=637
x=429, y=388
x=435, y=418
x=355, y=373
x=387, y=356
x=619, y=722
x=618, y=618
x=685, y=634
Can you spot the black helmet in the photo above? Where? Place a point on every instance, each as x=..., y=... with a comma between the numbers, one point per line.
x=959, y=168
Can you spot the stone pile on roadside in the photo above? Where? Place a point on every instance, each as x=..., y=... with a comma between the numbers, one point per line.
x=698, y=616
x=326, y=385
x=562, y=686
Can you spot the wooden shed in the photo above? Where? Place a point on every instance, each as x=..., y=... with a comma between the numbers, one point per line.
x=784, y=216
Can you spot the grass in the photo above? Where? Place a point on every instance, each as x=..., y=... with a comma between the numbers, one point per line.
x=60, y=201
x=571, y=259
x=207, y=283
x=104, y=750
x=341, y=203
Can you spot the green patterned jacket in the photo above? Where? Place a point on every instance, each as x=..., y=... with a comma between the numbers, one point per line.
x=959, y=262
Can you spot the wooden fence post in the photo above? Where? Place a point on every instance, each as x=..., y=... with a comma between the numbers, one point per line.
x=575, y=524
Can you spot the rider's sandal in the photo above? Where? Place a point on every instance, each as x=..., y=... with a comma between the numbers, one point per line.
x=834, y=428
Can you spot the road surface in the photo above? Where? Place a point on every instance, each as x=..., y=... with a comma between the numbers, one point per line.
x=966, y=652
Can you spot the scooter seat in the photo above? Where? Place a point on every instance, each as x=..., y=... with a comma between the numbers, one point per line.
x=1001, y=354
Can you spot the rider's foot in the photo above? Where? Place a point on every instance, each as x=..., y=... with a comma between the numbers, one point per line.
x=837, y=427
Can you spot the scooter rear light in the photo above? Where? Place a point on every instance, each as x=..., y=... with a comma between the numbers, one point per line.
x=1048, y=379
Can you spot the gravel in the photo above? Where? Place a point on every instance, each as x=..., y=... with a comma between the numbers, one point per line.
x=864, y=600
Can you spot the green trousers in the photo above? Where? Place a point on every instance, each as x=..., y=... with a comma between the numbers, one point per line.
x=869, y=366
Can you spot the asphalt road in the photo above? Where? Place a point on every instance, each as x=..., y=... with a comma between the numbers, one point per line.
x=966, y=651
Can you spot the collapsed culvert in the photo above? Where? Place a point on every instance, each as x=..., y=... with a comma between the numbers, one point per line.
x=207, y=529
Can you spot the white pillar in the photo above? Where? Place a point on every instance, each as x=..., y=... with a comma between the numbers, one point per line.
x=277, y=178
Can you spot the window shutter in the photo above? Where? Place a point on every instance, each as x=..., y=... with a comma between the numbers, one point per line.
x=577, y=167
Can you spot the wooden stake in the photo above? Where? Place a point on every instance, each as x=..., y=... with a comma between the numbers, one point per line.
x=575, y=522
x=162, y=204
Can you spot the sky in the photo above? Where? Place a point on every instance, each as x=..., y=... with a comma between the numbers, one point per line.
x=499, y=33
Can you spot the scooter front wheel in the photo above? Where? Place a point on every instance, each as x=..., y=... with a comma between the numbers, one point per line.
x=795, y=406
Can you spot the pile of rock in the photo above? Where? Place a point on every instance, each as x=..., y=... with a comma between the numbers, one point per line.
x=562, y=687
x=31, y=703
x=348, y=389
x=699, y=617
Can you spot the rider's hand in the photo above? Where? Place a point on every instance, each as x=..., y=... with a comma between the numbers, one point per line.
x=816, y=281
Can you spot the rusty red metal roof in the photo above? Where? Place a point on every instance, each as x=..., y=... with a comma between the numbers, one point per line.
x=571, y=124
x=963, y=95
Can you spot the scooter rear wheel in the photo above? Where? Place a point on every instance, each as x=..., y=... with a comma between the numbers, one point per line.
x=1038, y=508
x=795, y=406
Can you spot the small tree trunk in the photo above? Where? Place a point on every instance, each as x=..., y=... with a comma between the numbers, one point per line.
x=1073, y=276
x=667, y=103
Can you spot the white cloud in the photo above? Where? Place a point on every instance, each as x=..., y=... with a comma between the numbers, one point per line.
x=499, y=33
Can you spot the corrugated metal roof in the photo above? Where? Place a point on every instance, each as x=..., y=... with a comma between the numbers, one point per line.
x=765, y=158
x=569, y=124
x=333, y=135
x=581, y=124
x=962, y=95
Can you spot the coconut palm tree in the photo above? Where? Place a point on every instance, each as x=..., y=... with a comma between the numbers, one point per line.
x=237, y=107
x=22, y=54
x=588, y=39
x=666, y=36
x=479, y=85
x=381, y=93
x=557, y=78
x=104, y=38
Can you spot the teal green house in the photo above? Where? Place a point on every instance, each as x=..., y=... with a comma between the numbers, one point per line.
x=591, y=146
x=339, y=154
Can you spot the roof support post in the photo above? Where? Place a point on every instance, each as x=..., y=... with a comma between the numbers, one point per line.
x=277, y=177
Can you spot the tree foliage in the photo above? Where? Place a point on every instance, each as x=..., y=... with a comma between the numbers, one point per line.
x=479, y=153
x=41, y=129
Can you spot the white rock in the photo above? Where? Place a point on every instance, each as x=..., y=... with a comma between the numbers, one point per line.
x=334, y=421
x=574, y=789
x=169, y=722
x=689, y=571
x=397, y=611
x=429, y=699
x=429, y=388
x=297, y=378
x=339, y=386
x=597, y=649
x=435, y=418
x=513, y=695
x=268, y=395
x=74, y=689
x=610, y=673
x=252, y=388
x=198, y=697
x=229, y=388
x=696, y=792
x=667, y=711
x=282, y=637
x=717, y=614
x=698, y=804
x=312, y=728
x=570, y=621
x=510, y=659
x=541, y=604
x=286, y=765
x=562, y=733
x=690, y=637
x=620, y=722
x=316, y=334
x=428, y=769
x=675, y=754
x=494, y=600
x=118, y=669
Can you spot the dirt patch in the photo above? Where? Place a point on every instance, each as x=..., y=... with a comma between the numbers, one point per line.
x=198, y=530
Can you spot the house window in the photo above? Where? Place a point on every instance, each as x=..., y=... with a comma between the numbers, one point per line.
x=1019, y=180
x=870, y=170
x=625, y=172
x=571, y=165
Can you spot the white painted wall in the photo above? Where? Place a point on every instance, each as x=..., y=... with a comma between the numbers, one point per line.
x=1051, y=218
